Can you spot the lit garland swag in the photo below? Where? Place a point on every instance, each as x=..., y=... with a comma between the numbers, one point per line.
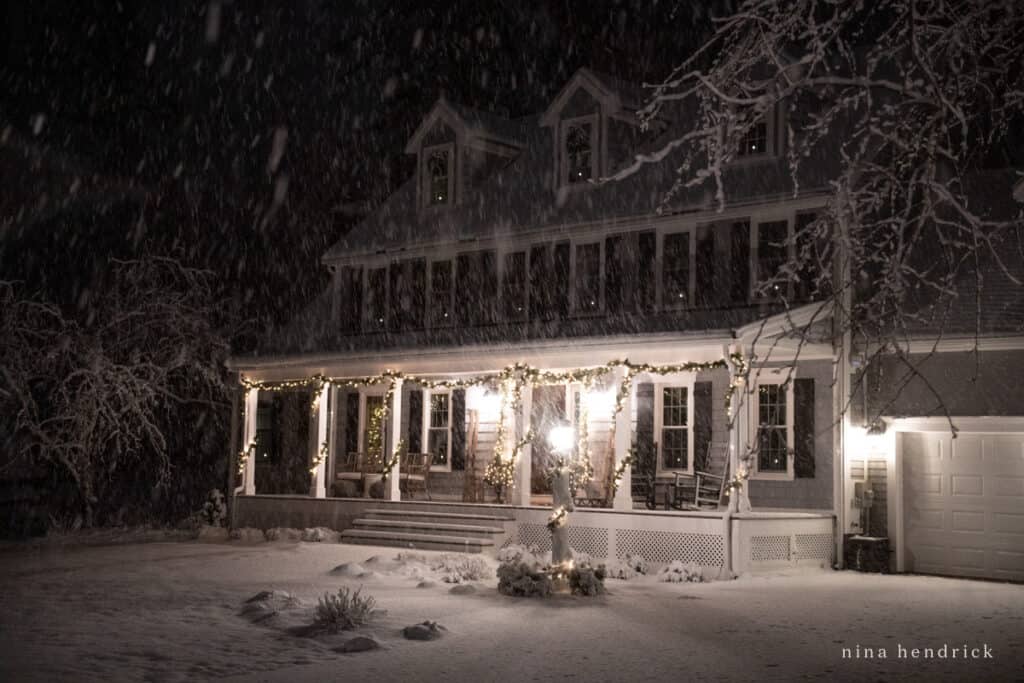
x=510, y=380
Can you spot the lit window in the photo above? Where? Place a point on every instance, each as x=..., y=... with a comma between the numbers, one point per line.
x=772, y=428
x=588, y=277
x=578, y=152
x=676, y=269
x=755, y=141
x=438, y=174
x=439, y=427
x=675, y=439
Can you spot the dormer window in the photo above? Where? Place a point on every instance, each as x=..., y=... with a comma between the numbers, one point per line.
x=438, y=174
x=755, y=141
x=578, y=151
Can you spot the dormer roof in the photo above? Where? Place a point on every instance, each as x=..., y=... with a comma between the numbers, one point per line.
x=470, y=126
x=613, y=93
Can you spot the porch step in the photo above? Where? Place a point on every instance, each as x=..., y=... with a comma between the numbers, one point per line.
x=453, y=517
x=404, y=525
x=421, y=541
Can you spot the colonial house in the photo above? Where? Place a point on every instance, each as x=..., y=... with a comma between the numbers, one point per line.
x=501, y=312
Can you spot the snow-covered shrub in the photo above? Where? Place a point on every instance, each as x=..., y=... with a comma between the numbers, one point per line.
x=247, y=535
x=581, y=559
x=215, y=510
x=320, y=534
x=619, y=569
x=456, y=569
x=522, y=580
x=678, y=572
x=637, y=563
x=411, y=557
x=521, y=554
x=280, y=533
x=344, y=610
x=587, y=580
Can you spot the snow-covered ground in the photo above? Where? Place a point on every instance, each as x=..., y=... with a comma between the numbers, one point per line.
x=171, y=612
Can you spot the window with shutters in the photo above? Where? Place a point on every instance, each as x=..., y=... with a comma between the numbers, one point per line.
x=774, y=428
x=376, y=299
x=438, y=175
x=437, y=427
x=588, y=277
x=513, y=286
x=578, y=152
x=673, y=416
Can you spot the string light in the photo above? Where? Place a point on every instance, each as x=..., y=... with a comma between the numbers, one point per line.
x=320, y=459
x=559, y=518
x=243, y=456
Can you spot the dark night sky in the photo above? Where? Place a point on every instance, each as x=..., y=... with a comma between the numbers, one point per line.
x=170, y=99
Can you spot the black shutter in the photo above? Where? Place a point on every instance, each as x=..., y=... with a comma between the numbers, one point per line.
x=351, y=439
x=702, y=420
x=803, y=428
x=458, y=418
x=614, y=274
x=646, y=271
x=645, y=427
x=539, y=291
x=740, y=262
x=705, y=295
x=561, y=291
x=488, y=287
x=467, y=299
x=417, y=294
x=415, y=421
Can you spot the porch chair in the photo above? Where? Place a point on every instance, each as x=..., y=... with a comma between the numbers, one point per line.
x=348, y=473
x=415, y=472
x=642, y=477
x=710, y=488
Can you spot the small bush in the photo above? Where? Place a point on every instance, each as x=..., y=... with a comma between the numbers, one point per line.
x=581, y=559
x=587, y=580
x=619, y=569
x=678, y=572
x=455, y=569
x=522, y=580
x=637, y=563
x=344, y=611
x=215, y=510
x=521, y=554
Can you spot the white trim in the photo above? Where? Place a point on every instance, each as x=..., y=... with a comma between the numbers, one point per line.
x=785, y=322
x=686, y=382
x=425, y=427
x=583, y=78
x=562, y=154
x=984, y=424
x=963, y=344
x=755, y=422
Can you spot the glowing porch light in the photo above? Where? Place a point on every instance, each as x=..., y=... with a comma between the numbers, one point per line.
x=562, y=438
x=487, y=403
x=600, y=403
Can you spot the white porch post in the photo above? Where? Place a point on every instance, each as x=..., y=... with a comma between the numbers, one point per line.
x=623, y=439
x=739, y=430
x=391, y=491
x=249, y=434
x=319, y=484
x=520, y=494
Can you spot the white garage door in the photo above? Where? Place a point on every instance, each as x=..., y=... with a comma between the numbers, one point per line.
x=963, y=504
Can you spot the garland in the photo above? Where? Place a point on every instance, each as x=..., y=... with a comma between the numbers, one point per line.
x=620, y=470
x=320, y=459
x=396, y=454
x=558, y=518
x=243, y=456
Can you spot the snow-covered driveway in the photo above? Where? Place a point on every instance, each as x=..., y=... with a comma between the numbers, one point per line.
x=170, y=611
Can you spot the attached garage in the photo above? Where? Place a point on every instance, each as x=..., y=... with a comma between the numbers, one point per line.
x=962, y=499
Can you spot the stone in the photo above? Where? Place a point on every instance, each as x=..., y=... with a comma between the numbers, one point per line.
x=425, y=584
x=463, y=589
x=428, y=630
x=358, y=644
x=348, y=569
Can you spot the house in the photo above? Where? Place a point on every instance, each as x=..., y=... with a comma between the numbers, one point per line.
x=500, y=312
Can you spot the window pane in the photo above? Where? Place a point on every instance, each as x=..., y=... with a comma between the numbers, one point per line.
x=577, y=152
x=513, y=290
x=755, y=140
x=437, y=443
x=439, y=410
x=440, y=293
x=674, y=407
x=771, y=251
x=588, y=277
x=674, y=449
x=437, y=169
x=676, y=269
x=772, y=434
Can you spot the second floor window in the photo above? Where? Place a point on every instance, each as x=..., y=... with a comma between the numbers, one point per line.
x=513, y=286
x=438, y=186
x=676, y=270
x=772, y=254
x=578, y=152
x=755, y=141
x=376, y=298
x=588, y=277
x=441, y=314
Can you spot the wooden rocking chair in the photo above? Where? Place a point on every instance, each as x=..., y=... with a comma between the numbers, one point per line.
x=415, y=473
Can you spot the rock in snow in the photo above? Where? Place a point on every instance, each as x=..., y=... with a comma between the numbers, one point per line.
x=348, y=569
x=426, y=584
x=358, y=644
x=463, y=589
x=428, y=630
